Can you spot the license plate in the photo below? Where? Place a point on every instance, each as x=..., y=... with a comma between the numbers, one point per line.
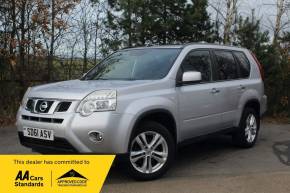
x=37, y=133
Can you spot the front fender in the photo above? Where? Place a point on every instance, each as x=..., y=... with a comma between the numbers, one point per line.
x=143, y=105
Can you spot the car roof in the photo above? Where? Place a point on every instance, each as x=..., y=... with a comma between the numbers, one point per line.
x=201, y=44
x=155, y=46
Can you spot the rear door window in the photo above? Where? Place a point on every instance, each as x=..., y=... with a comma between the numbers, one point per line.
x=244, y=64
x=226, y=67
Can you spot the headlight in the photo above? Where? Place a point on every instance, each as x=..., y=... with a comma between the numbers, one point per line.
x=102, y=100
x=24, y=99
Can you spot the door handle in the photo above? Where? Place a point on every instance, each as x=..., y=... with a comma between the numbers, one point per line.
x=215, y=91
x=242, y=87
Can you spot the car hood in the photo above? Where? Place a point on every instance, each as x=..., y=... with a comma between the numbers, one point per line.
x=78, y=89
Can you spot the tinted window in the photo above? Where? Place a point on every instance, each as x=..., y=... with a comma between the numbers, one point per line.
x=198, y=61
x=243, y=63
x=135, y=64
x=226, y=66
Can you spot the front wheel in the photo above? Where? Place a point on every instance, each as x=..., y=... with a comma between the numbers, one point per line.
x=151, y=151
x=248, y=130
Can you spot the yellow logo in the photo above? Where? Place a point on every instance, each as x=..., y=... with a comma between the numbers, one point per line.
x=72, y=178
x=24, y=178
x=53, y=173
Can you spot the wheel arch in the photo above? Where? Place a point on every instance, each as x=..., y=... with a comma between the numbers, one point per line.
x=162, y=116
x=253, y=103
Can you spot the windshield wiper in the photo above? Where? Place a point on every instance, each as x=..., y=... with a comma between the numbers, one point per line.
x=115, y=79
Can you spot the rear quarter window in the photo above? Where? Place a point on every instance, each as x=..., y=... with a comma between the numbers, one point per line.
x=244, y=64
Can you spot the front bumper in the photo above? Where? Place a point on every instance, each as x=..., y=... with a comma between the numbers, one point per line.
x=73, y=131
x=59, y=145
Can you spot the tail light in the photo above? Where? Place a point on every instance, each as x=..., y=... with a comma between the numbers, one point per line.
x=259, y=65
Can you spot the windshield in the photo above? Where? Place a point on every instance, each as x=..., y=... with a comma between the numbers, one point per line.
x=135, y=64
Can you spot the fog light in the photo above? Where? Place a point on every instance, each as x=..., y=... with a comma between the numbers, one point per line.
x=95, y=136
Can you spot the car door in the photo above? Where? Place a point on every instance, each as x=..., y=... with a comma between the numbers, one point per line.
x=228, y=79
x=199, y=103
x=243, y=84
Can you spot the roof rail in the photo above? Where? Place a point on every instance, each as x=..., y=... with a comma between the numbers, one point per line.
x=206, y=43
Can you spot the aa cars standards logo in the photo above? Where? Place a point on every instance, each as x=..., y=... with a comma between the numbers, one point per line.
x=25, y=179
x=72, y=178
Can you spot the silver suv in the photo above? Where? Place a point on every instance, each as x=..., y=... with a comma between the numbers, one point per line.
x=143, y=102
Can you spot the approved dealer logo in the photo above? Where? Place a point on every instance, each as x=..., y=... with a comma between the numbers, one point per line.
x=26, y=179
x=72, y=178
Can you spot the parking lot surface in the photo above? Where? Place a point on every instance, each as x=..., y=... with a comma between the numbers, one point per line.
x=213, y=165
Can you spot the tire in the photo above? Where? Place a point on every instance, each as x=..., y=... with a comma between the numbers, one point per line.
x=247, y=134
x=159, y=150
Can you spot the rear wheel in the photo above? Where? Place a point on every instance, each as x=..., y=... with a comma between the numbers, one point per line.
x=151, y=151
x=248, y=130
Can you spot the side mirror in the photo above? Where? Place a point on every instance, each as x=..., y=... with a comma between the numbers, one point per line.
x=191, y=76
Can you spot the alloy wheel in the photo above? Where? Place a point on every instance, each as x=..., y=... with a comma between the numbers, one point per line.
x=251, y=128
x=149, y=152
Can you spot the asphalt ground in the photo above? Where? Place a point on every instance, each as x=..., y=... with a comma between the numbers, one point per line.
x=213, y=165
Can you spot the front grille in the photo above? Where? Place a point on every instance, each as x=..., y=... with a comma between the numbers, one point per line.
x=38, y=105
x=63, y=106
x=30, y=105
x=44, y=106
x=42, y=119
x=59, y=144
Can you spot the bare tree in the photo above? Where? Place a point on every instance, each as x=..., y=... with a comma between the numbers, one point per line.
x=225, y=17
x=98, y=24
x=281, y=21
x=231, y=12
x=50, y=15
x=85, y=23
x=281, y=9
